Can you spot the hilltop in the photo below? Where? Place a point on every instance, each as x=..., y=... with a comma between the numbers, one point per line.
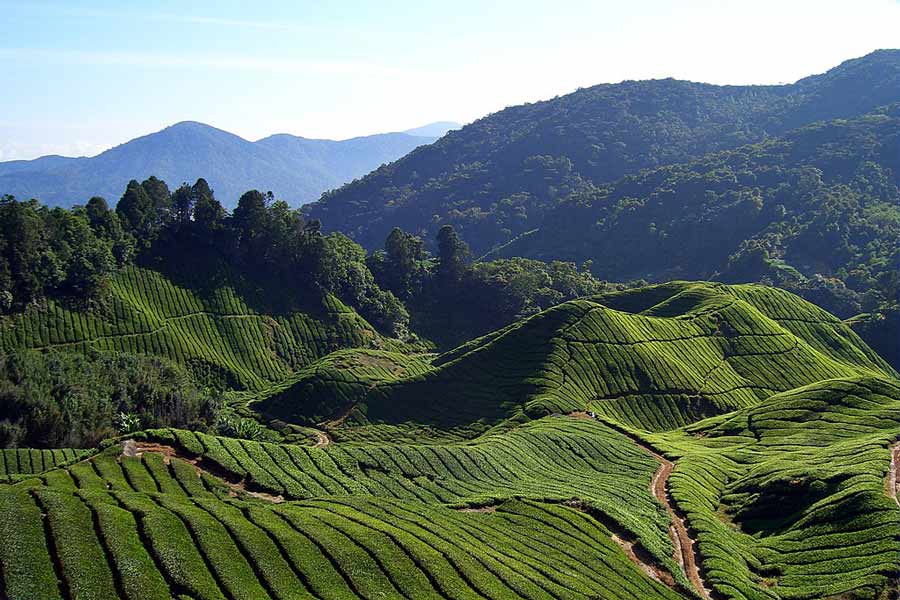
x=297, y=169
x=654, y=358
x=500, y=176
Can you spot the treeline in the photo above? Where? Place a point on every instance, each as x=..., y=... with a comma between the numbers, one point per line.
x=68, y=254
x=282, y=260
x=452, y=300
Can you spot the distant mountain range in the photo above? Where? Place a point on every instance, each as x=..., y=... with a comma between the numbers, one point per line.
x=296, y=169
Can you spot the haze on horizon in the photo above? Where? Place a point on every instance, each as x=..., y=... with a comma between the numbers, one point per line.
x=80, y=79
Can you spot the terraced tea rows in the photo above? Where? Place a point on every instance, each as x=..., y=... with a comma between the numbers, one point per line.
x=149, y=527
x=215, y=332
x=329, y=386
x=657, y=358
x=17, y=462
x=788, y=498
x=460, y=477
x=556, y=458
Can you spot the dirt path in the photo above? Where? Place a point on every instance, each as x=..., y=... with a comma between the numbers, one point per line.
x=685, y=546
x=340, y=417
x=892, y=481
x=686, y=552
x=322, y=439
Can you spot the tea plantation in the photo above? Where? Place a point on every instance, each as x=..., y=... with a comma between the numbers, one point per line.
x=216, y=331
x=686, y=440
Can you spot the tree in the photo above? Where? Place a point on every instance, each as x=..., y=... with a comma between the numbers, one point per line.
x=208, y=212
x=250, y=215
x=453, y=254
x=98, y=213
x=403, y=269
x=137, y=212
x=183, y=204
x=26, y=261
x=160, y=199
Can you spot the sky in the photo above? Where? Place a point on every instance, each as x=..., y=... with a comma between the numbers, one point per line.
x=79, y=77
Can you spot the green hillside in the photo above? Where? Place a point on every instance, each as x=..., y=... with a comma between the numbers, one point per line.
x=216, y=331
x=821, y=200
x=792, y=492
x=685, y=440
x=654, y=358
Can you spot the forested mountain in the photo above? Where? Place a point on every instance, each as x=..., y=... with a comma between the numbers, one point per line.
x=296, y=169
x=821, y=200
x=499, y=176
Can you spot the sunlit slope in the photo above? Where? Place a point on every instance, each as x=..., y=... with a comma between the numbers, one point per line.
x=788, y=498
x=330, y=386
x=151, y=527
x=19, y=463
x=656, y=358
x=212, y=329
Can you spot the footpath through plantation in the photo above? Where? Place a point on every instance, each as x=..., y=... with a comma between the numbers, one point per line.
x=685, y=440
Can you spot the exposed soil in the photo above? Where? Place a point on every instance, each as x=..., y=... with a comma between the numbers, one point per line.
x=632, y=551
x=686, y=552
x=340, y=417
x=628, y=542
x=892, y=481
x=322, y=439
x=580, y=414
x=135, y=449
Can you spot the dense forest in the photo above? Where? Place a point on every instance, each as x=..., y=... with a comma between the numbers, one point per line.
x=815, y=208
x=498, y=177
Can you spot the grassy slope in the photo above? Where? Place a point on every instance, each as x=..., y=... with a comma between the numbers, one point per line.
x=217, y=332
x=160, y=530
x=777, y=417
x=790, y=493
x=656, y=359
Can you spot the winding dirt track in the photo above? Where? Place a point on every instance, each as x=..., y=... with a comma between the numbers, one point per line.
x=685, y=546
x=892, y=481
x=686, y=552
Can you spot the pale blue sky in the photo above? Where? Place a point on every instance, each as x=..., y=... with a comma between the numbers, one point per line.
x=79, y=77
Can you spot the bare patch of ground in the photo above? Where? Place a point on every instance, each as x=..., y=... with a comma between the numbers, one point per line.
x=892, y=481
x=340, y=417
x=479, y=509
x=136, y=449
x=580, y=414
x=322, y=439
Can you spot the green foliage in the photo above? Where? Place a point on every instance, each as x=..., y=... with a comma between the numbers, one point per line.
x=502, y=175
x=226, y=333
x=460, y=478
x=55, y=253
x=816, y=205
x=791, y=492
x=63, y=399
x=231, y=425
x=655, y=358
